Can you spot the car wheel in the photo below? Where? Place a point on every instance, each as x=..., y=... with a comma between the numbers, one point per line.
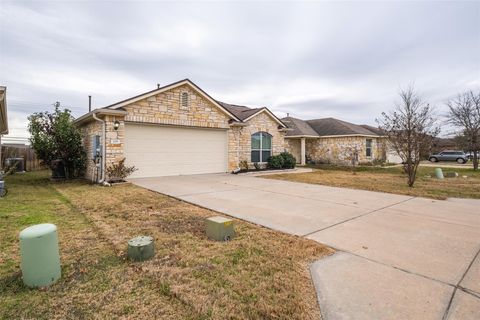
x=460, y=160
x=433, y=159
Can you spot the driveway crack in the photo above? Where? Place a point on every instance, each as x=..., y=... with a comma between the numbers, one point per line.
x=445, y=315
x=359, y=216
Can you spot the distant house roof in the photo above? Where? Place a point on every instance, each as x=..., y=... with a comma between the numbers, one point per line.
x=373, y=129
x=326, y=127
x=3, y=110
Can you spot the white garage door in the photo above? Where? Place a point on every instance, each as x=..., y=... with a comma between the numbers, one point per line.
x=167, y=151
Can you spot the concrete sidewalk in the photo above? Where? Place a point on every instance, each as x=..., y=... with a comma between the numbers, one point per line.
x=398, y=257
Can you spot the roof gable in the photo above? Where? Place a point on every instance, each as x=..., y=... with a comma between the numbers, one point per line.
x=245, y=113
x=268, y=112
x=169, y=87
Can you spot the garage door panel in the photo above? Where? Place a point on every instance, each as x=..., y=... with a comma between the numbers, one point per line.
x=163, y=151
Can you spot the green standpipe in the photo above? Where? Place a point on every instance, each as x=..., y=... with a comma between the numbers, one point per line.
x=439, y=173
x=40, y=257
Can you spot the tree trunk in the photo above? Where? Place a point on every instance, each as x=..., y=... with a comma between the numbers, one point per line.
x=475, y=160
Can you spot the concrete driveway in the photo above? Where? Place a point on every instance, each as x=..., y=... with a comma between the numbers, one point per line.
x=398, y=257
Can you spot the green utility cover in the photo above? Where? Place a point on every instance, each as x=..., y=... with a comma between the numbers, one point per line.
x=219, y=228
x=40, y=258
x=140, y=248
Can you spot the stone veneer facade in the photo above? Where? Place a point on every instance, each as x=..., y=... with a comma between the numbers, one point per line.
x=239, y=140
x=165, y=109
x=293, y=146
x=115, y=138
x=337, y=149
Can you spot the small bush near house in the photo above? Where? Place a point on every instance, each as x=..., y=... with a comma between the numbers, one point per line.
x=275, y=162
x=289, y=160
x=284, y=160
x=256, y=165
x=118, y=172
x=243, y=165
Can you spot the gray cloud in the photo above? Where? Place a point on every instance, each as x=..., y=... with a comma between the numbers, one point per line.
x=313, y=60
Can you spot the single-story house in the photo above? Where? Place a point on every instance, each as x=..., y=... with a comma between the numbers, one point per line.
x=331, y=140
x=178, y=129
x=3, y=118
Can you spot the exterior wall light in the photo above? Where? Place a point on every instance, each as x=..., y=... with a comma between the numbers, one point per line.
x=116, y=125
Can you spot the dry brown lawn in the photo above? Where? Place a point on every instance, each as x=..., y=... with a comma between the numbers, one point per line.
x=261, y=274
x=392, y=180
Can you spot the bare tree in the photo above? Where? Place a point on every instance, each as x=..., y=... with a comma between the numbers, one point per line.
x=464, y=114
x=410, y=129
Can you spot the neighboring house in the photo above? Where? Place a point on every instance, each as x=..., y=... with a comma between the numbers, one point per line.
x=331, y=140
x=440, y=144
x=3, y=118
x=178, y=129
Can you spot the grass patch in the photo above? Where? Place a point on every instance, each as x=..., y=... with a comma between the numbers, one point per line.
x=392, y=180
x=261, y=274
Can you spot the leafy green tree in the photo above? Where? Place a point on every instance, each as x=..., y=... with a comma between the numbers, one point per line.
x=54, y=136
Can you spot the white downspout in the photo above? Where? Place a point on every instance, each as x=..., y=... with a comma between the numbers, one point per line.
x=104, y=146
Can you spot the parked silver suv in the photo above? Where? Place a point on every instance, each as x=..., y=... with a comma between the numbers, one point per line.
x=449, y=155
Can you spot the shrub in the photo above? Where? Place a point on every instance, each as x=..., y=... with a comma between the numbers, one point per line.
x=54, y=136
x=9, y=169
x=243, y=165
x=117, y=172
x=378, y=162
x=256, y=165
x=289, y=160
x=275, y=162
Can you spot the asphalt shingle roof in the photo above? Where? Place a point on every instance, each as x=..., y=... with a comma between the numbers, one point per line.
x=335, y=127
x=241, y=112
x=299, y=127
x=325, y=127
x=373, y=129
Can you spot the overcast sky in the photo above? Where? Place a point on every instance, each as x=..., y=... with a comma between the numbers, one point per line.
x=313, y=60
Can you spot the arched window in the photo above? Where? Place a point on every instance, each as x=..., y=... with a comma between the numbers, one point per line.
x=261, y=147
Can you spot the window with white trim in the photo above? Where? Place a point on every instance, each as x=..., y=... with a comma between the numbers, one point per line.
x=184, y=100
x=261, y=145
x=368, y=149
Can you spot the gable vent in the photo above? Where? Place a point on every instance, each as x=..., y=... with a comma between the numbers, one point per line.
x=184, y=100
